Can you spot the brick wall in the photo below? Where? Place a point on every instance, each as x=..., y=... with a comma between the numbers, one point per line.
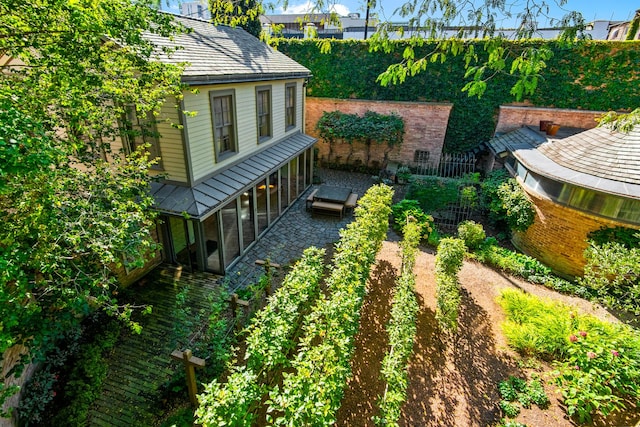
x=558, y=236
x=512, y=117
x=425, y=128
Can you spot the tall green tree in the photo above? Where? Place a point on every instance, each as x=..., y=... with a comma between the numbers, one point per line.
x=241, y=13
x=74, y=207
x=452, y=23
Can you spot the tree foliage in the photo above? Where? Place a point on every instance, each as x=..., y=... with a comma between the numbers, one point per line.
x=443, y=34
x=242, y=13
x=75, y=208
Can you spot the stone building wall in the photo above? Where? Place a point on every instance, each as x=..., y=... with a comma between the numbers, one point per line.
x=9, y=359
x=512, y=117
x=425, y=128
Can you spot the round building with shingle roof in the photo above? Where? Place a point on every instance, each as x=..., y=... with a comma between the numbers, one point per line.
x=579, y=182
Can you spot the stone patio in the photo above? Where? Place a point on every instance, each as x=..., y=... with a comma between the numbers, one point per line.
x=296, y=230
x=141, y=364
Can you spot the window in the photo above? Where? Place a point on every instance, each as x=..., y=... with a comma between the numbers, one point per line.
x=224, y=132
x=290, y=106
x=140, y=133
x=263, y=101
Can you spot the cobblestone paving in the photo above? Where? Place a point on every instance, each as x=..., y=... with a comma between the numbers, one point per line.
x=297, y=229
x=140, y=364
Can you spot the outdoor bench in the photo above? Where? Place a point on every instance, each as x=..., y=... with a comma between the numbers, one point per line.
x=310, y=198
x=351, y=201
x=327, y=207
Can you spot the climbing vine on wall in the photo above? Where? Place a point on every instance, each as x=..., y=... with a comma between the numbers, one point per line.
x=367, y=129
x=589, y=75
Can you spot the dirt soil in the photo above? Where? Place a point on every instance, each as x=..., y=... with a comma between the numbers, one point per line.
x=451, y=382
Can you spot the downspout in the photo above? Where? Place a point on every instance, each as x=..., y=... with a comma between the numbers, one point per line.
x=304, y=105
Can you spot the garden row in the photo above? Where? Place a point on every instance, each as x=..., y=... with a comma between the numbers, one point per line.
x=304, y=388
x=597, y=363
x=401, y=330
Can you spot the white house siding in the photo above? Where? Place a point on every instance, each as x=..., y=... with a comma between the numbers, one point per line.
x=199, y=127
x=171, y=146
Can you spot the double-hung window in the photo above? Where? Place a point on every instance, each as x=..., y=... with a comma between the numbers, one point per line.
x=224, y=132
x=141, y=134
x=263, y=102
x=290, y=106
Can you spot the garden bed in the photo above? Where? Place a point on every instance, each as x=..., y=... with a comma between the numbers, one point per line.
x=452, y=382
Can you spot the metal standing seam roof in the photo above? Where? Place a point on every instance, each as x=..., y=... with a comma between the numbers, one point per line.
x=226, y=185
x=218, y=53
x=599, y=159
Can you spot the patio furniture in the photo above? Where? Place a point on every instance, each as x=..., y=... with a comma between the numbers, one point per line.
x=329, y=193
x=350, y=204
x=311, y=198
x=327, y=208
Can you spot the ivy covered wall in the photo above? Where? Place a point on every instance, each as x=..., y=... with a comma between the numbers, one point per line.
x=594, y=75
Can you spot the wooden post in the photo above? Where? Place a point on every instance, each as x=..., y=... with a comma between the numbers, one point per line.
x=235, y=302
x=267, y=270
x=189, y=363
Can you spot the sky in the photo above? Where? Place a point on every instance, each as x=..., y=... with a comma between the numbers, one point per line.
x=620, y=10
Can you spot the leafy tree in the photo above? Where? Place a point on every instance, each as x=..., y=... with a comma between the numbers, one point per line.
x=431, y=21
x=75, y=207
x=241, y=13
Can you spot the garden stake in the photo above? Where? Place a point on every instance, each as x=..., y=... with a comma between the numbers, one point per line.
x=189, y=363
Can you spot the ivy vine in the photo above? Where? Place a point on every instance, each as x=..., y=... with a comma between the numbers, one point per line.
x=367, y=129
x=589, y=75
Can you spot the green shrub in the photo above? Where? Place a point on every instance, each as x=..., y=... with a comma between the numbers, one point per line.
x=469, y=196
x=433, y=193
x=509, y=409
x=506, y=201
x=450, y=256
x=533, y=327
x=472, y=233
x=401, y=330
x=612, y=271
x=448, y=262
x=85, y=380
x=597, y=363
x=628, y=237
x=526, y=267
x=406, y=208
x=516, y=389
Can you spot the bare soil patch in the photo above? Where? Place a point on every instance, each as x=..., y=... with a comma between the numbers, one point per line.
x=452, y=382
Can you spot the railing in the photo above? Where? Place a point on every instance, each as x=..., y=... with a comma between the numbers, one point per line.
x=448, y=166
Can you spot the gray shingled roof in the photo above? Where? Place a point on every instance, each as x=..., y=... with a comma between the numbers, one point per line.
x=217, y=53
x=599, y=152
x=226, y=185
x=503, y=144
x=599, y=158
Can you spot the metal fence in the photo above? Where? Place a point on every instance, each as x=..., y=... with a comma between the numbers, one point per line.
x=447, y=166
x=456, y=166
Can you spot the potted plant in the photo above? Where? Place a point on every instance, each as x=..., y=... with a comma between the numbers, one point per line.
x=403, y=174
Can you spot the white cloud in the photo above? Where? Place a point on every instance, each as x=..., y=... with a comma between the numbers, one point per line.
x=307, y=7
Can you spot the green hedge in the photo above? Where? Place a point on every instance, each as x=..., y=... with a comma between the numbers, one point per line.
x=592, y=75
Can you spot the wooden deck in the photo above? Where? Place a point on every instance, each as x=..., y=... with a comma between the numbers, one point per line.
x=140, y=364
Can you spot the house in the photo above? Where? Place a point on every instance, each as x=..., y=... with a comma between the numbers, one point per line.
x=239, y=157
x=579, y=181
x=620, y=30
x=322, y=25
